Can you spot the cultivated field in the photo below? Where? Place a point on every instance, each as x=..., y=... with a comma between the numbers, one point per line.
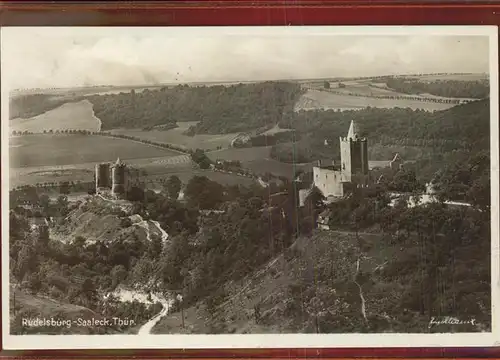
x=258, y=160
x=55, y=150
x=243, y=154
x=315, y=99
x=176, y=136
x=72, y=115
x=458, y=77
x=187, y=173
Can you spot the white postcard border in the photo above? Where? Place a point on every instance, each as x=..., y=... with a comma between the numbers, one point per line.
x=27, y=342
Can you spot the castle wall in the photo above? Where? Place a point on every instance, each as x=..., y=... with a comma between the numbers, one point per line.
x=329, y=182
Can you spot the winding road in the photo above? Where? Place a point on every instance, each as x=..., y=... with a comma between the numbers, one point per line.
x=164, y=235
x=147, y=327
x=363, y=302
x=145, y=225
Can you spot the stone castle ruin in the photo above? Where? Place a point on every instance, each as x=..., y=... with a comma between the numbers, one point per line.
x=115, y=179
x=339, y=180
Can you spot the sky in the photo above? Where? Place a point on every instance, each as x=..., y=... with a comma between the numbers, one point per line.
x=69, y=57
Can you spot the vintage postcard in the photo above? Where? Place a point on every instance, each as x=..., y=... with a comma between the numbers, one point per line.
x=249, y=187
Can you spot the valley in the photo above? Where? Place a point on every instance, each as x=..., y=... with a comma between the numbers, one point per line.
x=222, y=223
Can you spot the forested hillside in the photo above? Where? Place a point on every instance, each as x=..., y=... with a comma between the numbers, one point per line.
x=464, y=127
x=222, y=236
x=219, y=109
x=26, y=106
x=380, y=269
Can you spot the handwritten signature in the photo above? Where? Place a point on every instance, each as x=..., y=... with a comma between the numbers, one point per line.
x=449, y=320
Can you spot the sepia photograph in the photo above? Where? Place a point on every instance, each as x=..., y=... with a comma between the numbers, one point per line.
x=269, y=187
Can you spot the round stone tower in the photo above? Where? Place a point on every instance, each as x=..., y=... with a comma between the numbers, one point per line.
x=102, y=177
x=118, y=178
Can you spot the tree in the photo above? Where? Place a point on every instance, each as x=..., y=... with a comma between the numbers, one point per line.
x=118, y=274
x=43, y=237
x=480, y=193
x=326, y=84
x=155, y=247
x=27, y=261
x=64, y=188
x=173, y=187
x=45, y=203
x=315, y=199
x=406, y=181
x=200, y=158
x=89, y=293
x=136, y=193
x=203, y=193
x=62, y=204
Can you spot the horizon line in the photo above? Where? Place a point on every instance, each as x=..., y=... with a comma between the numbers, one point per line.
x=216, y=82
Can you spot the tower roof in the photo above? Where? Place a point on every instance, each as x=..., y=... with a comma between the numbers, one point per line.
x=353, y=131
x=118, y=162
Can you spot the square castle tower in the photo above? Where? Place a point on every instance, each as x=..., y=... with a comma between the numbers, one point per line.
x=339, y=180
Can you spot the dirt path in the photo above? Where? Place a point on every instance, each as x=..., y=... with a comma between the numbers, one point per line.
x=361, y=295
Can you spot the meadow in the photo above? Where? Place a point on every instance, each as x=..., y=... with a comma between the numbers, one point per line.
x=71, y=115
x=176, y=136
x=152, y=174
x=58, y=149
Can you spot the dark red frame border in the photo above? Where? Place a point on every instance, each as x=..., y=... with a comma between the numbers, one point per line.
x=257, y=13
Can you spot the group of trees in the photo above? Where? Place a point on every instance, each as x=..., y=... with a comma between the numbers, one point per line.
x=478, y=89
x=199, y=157
x=466, y=179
